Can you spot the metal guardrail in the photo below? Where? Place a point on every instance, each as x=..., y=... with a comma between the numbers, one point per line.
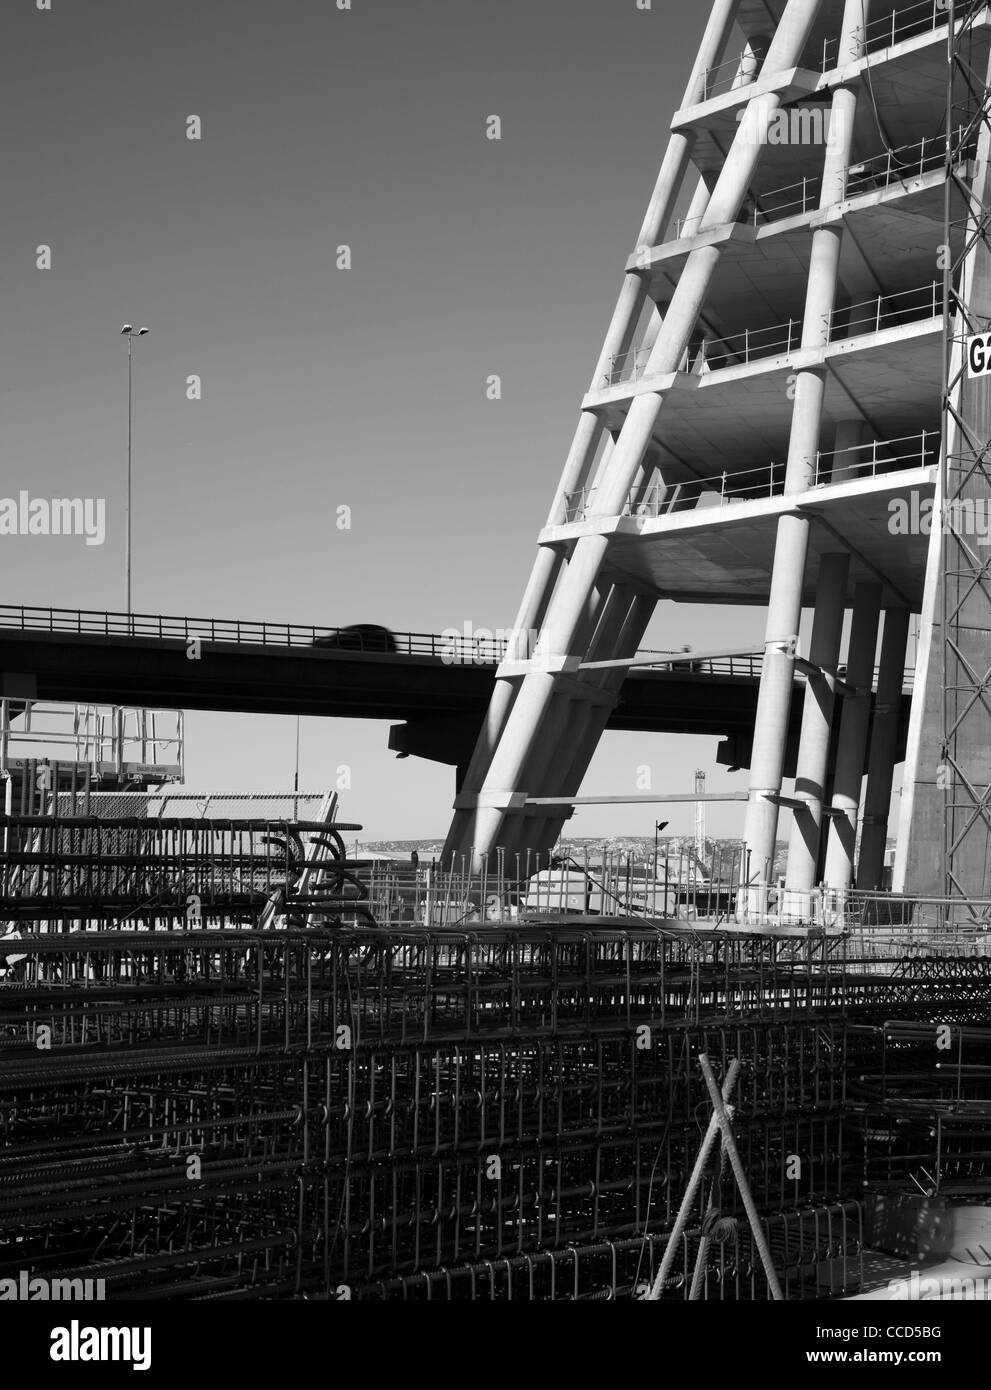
x=905, y=23
x=879, y=926
x=754, y=344
x=739, y=71
x=869, y=315
x=844, y=465
x=874, y=174
x=171, y=627
x=925, y=17
x=93, y=734
x=906, y=161
x=484, y=652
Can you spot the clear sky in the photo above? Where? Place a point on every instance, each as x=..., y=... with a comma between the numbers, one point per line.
x=324, y=387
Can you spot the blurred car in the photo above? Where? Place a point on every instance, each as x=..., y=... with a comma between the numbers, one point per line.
x=686, y=665
x=361, y=637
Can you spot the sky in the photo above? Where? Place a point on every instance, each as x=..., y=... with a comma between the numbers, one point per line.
x=322, y=387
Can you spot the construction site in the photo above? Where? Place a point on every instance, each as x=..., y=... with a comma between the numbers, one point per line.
x=240, y=1060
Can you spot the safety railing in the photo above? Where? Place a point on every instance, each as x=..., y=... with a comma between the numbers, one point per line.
x=738, y=71
x=625, y=366
x=905, y=23
x=238, y=631
x=754, y=344
x=483, y=649
x=881, y=456
x=885, y=311
x=874, y=174
x=630, y=366
x=580, y=881
x=790, y=200
x=171, y=627
x=906, y=161
x=99, y=736
x=708, y=353
x=878, y=457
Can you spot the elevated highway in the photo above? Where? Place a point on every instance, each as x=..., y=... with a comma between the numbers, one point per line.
x=435, y=688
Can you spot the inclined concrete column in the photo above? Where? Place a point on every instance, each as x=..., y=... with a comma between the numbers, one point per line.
x=543, y=773
x=722, y=17
x=547, y=564
x=791, y=545
x=523, y=726
x=595, y=716
x=696, y=209
x=529, y=619
x=884, y=746
x=849, y=435
x=609, y=682
x=854, y=723
x=754, y=54
x=817, y=724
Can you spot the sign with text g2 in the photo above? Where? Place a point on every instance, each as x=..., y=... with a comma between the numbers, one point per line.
x=979, y=355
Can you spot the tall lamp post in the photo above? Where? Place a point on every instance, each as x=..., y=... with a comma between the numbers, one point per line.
x=130, y=334
x=659, y=825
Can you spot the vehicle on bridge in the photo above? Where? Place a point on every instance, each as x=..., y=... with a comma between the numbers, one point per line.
x=360, y=637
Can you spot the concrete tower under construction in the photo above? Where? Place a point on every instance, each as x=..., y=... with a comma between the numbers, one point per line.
x=783, y=414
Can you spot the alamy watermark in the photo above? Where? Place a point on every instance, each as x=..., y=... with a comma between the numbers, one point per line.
x=947, y=1287
x=480, y=646
x=961, y=516
x=81, y=1343
x=55, y=516
x=794, y=125
x=28, y=1288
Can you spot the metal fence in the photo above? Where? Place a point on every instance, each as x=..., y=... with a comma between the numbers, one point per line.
x=768, y=480
x=706, y=354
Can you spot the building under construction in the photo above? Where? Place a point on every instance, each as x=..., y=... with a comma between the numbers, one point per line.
x=238, y=1062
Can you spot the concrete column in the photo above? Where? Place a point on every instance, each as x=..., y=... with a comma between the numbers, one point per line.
x=547, y=565
x=696, y=209
x=610, y=682
x=593, y=718
x=523, y=726
x=854, y=723
x=669, y=180
x=545, y=774
x=752, y=60
x=884, y=745
x=791, y=545
x=530, y=616
x=849, y=436
x=817, y=724
x=557, y=712
x=718, y=28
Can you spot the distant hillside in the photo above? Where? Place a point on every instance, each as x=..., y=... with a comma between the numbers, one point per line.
x=721, y=854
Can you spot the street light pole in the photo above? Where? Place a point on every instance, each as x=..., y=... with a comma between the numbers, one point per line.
x=127, y=512
x=659, y=825
x=129, y=333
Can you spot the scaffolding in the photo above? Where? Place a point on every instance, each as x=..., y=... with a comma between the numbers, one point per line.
x=90, y=743
x=965, y=479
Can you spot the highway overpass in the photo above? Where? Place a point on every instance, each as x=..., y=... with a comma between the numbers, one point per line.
x=435, y=690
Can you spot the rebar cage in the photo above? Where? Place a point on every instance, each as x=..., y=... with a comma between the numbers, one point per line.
x=269, y=1092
